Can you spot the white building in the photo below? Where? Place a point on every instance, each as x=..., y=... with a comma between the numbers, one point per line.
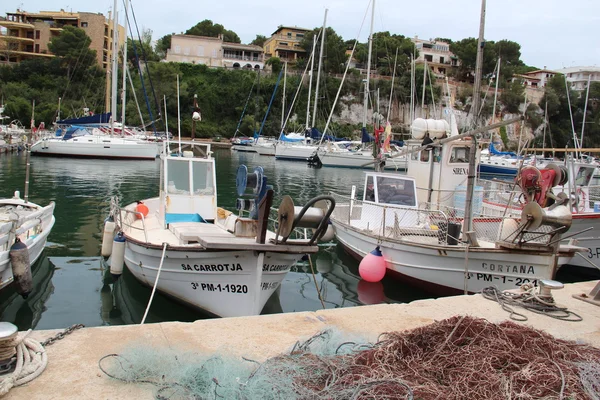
x=437, y=54
x=212, y=51
x=536, y=79
x=578, y=76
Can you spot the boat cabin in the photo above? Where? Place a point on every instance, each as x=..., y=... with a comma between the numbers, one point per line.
x=188, y=186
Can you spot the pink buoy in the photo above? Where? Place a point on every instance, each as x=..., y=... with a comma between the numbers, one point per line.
x=372, y=267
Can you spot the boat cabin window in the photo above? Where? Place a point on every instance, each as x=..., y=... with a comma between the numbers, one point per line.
x=437, y=154
x=415, y=154
x=178, y=177
x=584, y=176
x=395, y=191
x=425, y=155
x=459, y=154
x=369, y=190
x=203, y=178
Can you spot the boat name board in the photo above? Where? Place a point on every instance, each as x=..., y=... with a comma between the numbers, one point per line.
x=509, y=269
x=212, y=267
x=460, y=171
x=275, y=268
x=228, y=288
x=501, y=279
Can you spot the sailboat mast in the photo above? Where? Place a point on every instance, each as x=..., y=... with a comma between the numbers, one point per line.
x=115, y=57
x=366, y=99
x=587, y=96
x=314, y=117
x=283, y=99
x=475, y=108
x=310, y=75
x=476, y=102
x=124, y=83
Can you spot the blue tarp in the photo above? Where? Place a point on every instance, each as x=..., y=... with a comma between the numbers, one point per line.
x=92, y=119
x=500, y=153
x=366, y=138
x=284, y=138
x=75, y=131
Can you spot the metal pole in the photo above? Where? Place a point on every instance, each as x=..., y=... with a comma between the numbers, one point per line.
x=424, y=85
x=283, y=98
x=366, y=99
x=310, y=75
x=314, y=117
x=587, y=96
x=115, y=57
x=475, y=103
x=389, y=111
x=124, y=88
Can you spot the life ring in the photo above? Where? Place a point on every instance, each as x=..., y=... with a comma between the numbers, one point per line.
x=581, y=199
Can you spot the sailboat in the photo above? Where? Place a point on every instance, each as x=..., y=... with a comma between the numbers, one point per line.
x=434, y=236
x=93, y=142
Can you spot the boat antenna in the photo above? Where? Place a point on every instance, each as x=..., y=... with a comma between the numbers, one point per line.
x=178, y=116
x=166, y=119
x=314, y=116
x=575, y=141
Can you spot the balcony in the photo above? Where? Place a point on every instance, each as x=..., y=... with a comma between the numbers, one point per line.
x=11, y=38
x=243, y=58
x=15, y=24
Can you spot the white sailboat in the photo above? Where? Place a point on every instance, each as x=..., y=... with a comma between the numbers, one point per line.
x=205, y=256
x=92, y=142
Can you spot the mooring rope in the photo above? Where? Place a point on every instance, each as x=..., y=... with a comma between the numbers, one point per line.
x=162, y=258
x=31, y=360
x=529, y=300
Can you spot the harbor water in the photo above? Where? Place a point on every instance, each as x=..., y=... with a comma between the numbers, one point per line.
x=73, y=284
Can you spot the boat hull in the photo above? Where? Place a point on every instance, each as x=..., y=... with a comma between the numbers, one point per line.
x=97, y=148
x=223, y=283
x=294, y=153
x=356, y=160
x=442, y=270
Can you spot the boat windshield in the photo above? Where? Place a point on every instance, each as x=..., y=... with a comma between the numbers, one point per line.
x=179, y=182
x=584, y=176
x=396, y=191
x=203, y=178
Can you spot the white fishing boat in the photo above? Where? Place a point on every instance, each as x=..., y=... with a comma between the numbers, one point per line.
x=24, y=229
x=205, y=256
x=350, y=155
x=87, y=142
x=424, y=244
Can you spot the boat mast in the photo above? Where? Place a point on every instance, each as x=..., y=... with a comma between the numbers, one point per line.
x=475, y=111
x=389, y=110
x=314, y=117
x=115, y=56
x=283, y=97
x=366, y=98
x=124, y=83
x=587, y=96
x=310, y=75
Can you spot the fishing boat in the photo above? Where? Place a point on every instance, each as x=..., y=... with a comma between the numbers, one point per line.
x=428, y=238
x=24, y=229
x=186, y=247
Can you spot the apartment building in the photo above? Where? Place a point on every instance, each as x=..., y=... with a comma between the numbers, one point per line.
x=578, y=76
x=436, y=53
x=25, y=35
x=214, y=52
x=536, y=79
x=285, y=43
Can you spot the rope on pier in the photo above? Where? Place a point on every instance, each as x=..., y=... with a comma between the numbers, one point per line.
x=31, y=360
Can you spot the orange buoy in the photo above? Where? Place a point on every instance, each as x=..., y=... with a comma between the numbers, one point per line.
x=141, y=209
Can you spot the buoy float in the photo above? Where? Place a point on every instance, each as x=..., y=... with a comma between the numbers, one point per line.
x=109, y=231
x=118, y=255
x=373, y=266
x=21, y=268
x=142, y=209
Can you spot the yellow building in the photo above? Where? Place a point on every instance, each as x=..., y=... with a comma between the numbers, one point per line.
x=26, y=35
x=285, y=43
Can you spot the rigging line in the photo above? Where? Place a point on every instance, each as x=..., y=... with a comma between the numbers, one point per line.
x=345, y=73
x=139, y=69
x=147, y=69
x=270, y=103
x=70, y=78
x=135, y=96
x=245, y=106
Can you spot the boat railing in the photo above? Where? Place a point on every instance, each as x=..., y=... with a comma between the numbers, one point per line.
x=25, y=226
x=594, y=191
x=125, y=218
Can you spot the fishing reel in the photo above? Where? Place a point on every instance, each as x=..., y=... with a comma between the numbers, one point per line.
x=314, y=215
x=253, y=185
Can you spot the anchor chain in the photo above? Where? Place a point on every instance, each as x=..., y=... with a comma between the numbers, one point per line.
x=62, y=334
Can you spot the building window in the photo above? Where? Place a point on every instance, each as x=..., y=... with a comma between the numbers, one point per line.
x=177, y=49
x=283, y=43
x=37, y=48
x=84, y=24
x=186, y=51
x=37, y=34
x=442, y=60
x=289, y=34
x=300, y=35
x=428, y=58
x=200, y=51
x=214, y=53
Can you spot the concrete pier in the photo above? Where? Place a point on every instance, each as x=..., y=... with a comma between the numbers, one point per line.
x=73, y=371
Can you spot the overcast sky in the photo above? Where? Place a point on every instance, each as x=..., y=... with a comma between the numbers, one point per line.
x=552, y=33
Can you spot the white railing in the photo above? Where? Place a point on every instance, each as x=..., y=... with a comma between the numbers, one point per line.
x=126, y=218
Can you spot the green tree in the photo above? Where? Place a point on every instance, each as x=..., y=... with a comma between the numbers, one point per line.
x=208, y=28
x=275, y=64
x=259, y=40
x=334, y=52
x=162, y=45
x=72, y=45
x=513, y=96
x=143, y=48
